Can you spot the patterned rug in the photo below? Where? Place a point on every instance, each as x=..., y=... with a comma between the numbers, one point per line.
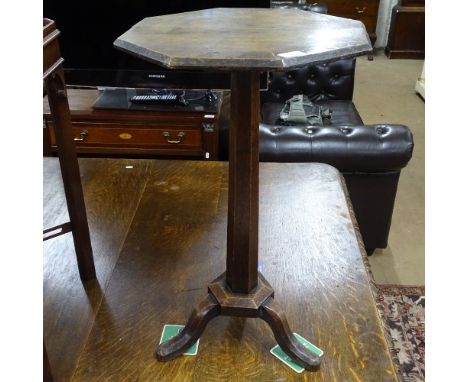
x=402, y=311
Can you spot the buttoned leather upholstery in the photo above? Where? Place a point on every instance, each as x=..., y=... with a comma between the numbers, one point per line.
x=370, y=157
x=329, y=81
x=330, y=85
x=370, y=148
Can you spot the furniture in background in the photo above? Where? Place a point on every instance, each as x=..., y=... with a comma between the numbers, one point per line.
x=159, y=130
x=191, y=40
x=363, y=10
x=406, y=37
x=370, y=157
x=420, y=86
x=52, y=75
x=176, y=240
x=60, y=115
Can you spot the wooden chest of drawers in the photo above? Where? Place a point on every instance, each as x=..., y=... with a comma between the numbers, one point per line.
x=363, y=10
x=172, y=132
x=406, y=37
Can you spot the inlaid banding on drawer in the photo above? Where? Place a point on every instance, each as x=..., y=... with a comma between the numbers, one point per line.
x=162, y=136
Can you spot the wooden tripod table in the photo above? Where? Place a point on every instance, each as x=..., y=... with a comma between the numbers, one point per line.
x=245, y=42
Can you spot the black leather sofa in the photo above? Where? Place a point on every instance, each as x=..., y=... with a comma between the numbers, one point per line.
x=370, y=157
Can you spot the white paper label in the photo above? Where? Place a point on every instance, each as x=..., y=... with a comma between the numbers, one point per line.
x=294, y=53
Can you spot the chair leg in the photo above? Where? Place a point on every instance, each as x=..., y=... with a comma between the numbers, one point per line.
x=46, y=373
x=56, y=92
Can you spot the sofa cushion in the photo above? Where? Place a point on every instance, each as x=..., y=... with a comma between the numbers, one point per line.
x=343, y=112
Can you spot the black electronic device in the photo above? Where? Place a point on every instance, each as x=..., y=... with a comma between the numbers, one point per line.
x=90, y=27
x=159, y=99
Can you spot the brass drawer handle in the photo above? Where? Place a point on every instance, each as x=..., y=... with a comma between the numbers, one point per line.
x=83, y=135
x=167, y=135
x=360, y=10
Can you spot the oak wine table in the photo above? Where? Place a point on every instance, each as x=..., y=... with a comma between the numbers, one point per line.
x=244, y=42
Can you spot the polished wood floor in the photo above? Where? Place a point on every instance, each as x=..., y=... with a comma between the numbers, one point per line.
x=158, y=230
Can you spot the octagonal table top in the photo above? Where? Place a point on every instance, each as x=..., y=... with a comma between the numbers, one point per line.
x=244, y=39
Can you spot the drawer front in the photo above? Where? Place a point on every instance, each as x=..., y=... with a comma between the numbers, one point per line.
x=364, y=10
x=163, y=137
x=353, y=7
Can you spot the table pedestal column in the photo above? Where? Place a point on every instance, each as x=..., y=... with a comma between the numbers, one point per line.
x=241, y=291
x=242, y=232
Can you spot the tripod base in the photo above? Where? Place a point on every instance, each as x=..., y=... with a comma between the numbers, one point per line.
x=258, y=303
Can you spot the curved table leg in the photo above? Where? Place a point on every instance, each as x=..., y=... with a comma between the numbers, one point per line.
x=177, y=345
x=272, y=314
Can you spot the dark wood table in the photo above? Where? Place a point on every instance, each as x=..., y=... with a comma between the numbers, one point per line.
x=159, y=227
x=244, y=42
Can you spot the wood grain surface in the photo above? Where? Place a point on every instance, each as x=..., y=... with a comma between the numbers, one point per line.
x=176, y=245
x=242, y=234
x=244, y=39
x=111, y=194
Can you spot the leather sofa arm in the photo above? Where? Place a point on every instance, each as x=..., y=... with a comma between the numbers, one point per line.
x=365, y=148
